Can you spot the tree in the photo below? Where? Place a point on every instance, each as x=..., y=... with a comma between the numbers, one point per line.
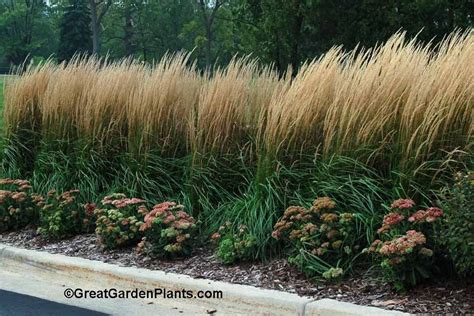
x=23, y=28
x=367, y=22
x=148, y=29
x=286, y=32
x=75, y=33
x=278, y=29
x=209, y=10
x=128, y=10
x=98, y=10
x=282, y=32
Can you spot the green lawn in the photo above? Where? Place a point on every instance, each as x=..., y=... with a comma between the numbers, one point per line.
x=2, y=77
x=1, y=101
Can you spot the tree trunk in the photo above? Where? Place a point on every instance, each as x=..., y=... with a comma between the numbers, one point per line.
x=128, y=31
x=209, y=45
x=208, y=18
x=278, y=63
x=297, y=25
x=95, y=25
x=98, y=11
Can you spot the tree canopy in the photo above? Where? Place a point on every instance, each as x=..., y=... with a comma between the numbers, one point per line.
x=282, y=32
x=75, y=34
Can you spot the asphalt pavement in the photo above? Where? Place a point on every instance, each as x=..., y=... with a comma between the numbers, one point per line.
x=14, y=304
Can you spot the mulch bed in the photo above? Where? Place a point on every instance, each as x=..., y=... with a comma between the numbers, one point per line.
x=454, y=296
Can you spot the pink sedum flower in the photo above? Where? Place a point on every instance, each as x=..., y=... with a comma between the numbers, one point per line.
x=392, y=219
x=417, y=217
x=428, y=216
x=433, y=213
x=402, y=204
x=215, y=236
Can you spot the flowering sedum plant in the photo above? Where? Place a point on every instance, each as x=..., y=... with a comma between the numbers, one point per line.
x=119, y=219
x=403, y=250
x=168, y=231
x=318, y=238
x=234, y=246
x=17, y=204
x=62, y=216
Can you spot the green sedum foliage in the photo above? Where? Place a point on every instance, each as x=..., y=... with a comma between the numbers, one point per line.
x=61, y=215
x=457, y=233
x=234, y=246
x=319, y=240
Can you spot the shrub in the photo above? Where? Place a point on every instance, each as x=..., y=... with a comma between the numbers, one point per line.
x=404, y=251
x=457, y=233
x=318, y=239
x=119, y=220
x=168, y=231
x=17, y=204
x=234, y=246
x=61, y=215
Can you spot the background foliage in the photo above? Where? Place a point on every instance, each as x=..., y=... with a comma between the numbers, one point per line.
x=276, y=31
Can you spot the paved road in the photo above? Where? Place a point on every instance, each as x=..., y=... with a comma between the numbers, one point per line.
x=42, y=293
x=15, y=304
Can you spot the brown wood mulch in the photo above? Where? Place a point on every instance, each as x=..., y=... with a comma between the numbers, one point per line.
x=444, y=297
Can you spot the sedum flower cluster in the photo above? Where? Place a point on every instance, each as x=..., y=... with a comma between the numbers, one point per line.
x=168, y=231
x=61, y=215
x=319, y=231
x=402, y=251
x=119, y=220
x=17, y=204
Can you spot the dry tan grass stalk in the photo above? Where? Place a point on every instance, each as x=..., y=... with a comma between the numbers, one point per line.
x=403, y=101
x=103, y=118
x=23, y=94
x=63, y=102
x=230, y=104
x=371, y=95
x=440, y=107
x=296, y=113
x=161, y=108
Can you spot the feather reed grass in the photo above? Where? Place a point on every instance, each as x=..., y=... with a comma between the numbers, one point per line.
x=403, y=101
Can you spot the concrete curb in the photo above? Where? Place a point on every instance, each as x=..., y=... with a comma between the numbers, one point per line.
x=237, y=299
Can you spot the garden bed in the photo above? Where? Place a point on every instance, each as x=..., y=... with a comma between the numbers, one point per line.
x=255, y=166
x=453, y=296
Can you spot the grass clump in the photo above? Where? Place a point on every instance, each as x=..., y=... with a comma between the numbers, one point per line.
x=2, y=82
x=391, y=100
